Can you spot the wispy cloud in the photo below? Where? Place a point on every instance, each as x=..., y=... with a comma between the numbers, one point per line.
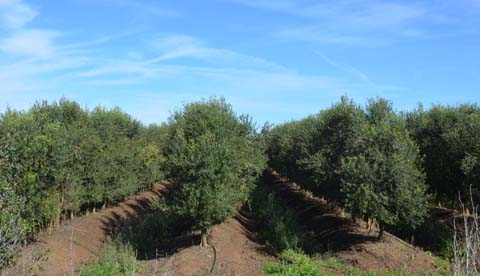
x=15, y=14
x=30, y=43
x=183, y=46
x=136, y=6
x=40, y=63
x=345, y=68
x=20, y=39
x=370, y=14
x=368, y=23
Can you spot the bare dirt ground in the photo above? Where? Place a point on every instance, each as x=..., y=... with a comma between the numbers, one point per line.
x=235, y=250
x=66, y=248
x=333, y=232
x=63, y=250
x=236, y=253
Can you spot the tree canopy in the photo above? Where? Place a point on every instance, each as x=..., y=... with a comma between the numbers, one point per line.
x=363, y=159
x=213, y=157
x=58, y=159
x=449, y=140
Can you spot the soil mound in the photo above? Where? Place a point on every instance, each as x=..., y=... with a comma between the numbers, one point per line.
x=63, y=250
x=334, y=232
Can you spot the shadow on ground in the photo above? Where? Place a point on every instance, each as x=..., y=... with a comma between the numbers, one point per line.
x=323, y=222
x=149, y=227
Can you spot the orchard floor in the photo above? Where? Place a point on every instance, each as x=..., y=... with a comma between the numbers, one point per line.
x=235, y=250
x=63, y=250
x=66, y=248
x=333, y=232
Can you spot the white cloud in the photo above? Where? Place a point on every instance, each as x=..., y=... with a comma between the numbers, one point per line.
x=349, y=22
x=183, y=46
x=30, y=43
x=322, y=35
x=137, y=6
x=360, y=14
x=20, y=40
x=14, y=14
x=38, y=63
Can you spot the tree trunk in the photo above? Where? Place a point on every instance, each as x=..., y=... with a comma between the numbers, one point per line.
x=380, y=233
x=58, y=218
x=204, y=234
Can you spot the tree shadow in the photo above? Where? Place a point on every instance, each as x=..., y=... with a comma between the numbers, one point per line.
x=146, y=225
x=249, y=226
x=323, y=222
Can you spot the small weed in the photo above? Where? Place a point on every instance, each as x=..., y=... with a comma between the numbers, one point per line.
x=117, y=260
x=295, y=263
x=277, y=225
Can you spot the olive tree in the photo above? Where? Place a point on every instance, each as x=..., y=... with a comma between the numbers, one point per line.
x=213, y=157
x=449, y=139
x=381, y=179
x=12, y=228
x=361, y=158
x=336, y=132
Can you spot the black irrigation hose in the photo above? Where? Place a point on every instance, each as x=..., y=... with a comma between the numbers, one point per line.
x=214, y=259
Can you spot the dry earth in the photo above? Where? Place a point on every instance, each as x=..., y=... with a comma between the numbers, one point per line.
x=235, y=250
x=334, y=232
x=66, y=248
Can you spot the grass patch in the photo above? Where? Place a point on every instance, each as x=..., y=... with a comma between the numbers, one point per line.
x=293, y=263
x=117, y=260
x=277, y=225
x=296, y=263
x=156, y=233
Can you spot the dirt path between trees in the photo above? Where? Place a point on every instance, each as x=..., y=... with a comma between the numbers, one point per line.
x=66, y=248
x=333, y=232
x=236, y=253
x=74, y=243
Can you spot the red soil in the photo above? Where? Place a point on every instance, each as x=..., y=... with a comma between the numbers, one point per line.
x=236, y=253
x=76, y=242
x=335, y=233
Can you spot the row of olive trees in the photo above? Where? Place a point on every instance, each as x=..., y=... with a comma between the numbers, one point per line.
x=449, y=140
x=362, y=158
x=58, y=159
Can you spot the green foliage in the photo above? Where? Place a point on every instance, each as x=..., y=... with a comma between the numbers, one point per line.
x=57, y=158
x=117, y=260
x=153, y=233
x=449, y=139
x=337, y=130
x=276, y=225
x=381, y=178
x=11, y=224
x=290, y=142
x=293, y=264
x=363, y=159
x=213, y=156
x=296, y=263
x=434, y=235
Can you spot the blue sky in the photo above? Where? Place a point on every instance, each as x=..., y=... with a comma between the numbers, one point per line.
x=273, y=59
